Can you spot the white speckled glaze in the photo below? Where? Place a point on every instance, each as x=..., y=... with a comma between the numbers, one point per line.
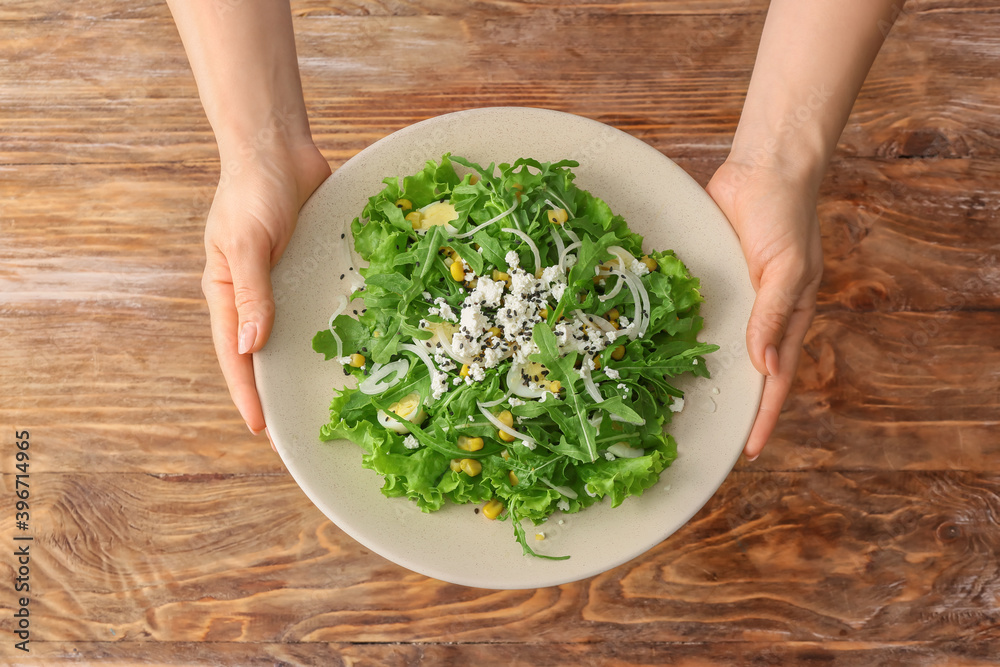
x=661, y=202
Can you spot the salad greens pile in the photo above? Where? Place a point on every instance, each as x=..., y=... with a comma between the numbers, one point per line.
x=515, y=347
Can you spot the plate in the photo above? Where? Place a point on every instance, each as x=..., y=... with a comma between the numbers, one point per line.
x=661, y=202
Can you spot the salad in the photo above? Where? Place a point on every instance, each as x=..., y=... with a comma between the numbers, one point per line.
x=515, y=345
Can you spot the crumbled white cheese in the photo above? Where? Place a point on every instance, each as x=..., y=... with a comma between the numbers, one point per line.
x=487, y=292
x=694, y=363
x=476, y=372
x=563, y=504
x=439, y=384
x=345, y=361
x=410, y=442
x=589, y=364
x=515, y=401
x=623, y=321
x=473, y=322
x=622, y=385
x=427, y=295
x=609, y=456
x=443, y=310
x=612, y=373
x=677, y=405
x=638, y=268
x=512, y=259
x=469, y=275
x=570, y=261
x=456, y=382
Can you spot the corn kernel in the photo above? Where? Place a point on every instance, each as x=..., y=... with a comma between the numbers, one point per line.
x=471, y=467
x=465, y=370
x=512, y=477
x=612, y=314
x=555, y=386
x=507, y=437
x=493, y=509
x=539, y=536
x=473, y=179
x=404, y=204
x=649, y=262
x=618, y=353
x=357, y=360
x=544, y=313
x=456, y=465
x=506, y=418
x=495, y=332
x=470, y=444
x=457, y=271
x=500, y=275
x=557, y=216
x=505, y=455
x=446, y=250
x=414, y=219
x=597, y=363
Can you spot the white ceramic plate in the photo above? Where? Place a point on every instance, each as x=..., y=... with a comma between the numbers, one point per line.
x=660, y=201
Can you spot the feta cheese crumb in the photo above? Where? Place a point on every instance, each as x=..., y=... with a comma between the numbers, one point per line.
x=410, y=442
x=677, y=404
x=694, y=363
x=427, y=295
x=512, y=259
x=439, y=384
x=563, y=504
x=612, y=373
x=443, y=310
x=345, y=361
x=515, y=401
x=638, y=268
x=623, y=321
x=622, y=385
x=609, y=456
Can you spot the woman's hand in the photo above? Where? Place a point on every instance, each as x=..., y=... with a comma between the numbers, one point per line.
x=774, y=215
x=250, y=223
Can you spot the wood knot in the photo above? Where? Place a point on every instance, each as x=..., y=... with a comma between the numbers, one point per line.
x=949, y=532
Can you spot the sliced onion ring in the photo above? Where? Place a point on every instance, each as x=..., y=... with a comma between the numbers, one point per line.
x=528, y=441
x=588, y=382
x=424, y=357
x=531, y=244
x=617, y=288
x=491, y=404
x=489, y=222
x=374, y=384
x=564, y=490
x=560, y=246
x=570, y=248
x=341, y=307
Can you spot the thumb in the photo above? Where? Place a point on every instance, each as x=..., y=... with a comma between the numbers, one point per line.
x=251, y=273
x=769, y=318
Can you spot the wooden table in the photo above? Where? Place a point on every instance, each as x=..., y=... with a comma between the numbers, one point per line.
x=165, y=534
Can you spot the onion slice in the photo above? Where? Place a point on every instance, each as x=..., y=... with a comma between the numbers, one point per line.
x=572, y=237
x=564, y=490
x=560, y=246
x=491, y=404
x=489, y=222
x=588, y=382
x=374, y=384
x=617, y=288
x=567, y=250
x=336, y=312
x=623, y=451
x=528, y=441
x=531, y=244
x=424, y=357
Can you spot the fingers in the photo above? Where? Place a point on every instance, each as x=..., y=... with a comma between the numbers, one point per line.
x=250, y=269
x=778, y=384
x=769, y=318
x=236, y=368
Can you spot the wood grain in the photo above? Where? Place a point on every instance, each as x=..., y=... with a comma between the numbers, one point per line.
x=597, y=654
x=866, y=534
x=928, y=95
x=812, y=556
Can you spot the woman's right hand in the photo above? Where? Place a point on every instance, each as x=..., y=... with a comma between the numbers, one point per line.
x=249, y=225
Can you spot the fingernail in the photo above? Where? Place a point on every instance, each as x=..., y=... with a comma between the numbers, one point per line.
x=751, y=459
x=253, y=431
x=268, y=434
x=248, y=334
x=771, y=359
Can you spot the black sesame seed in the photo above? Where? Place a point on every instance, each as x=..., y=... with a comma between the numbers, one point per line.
x=341, y=276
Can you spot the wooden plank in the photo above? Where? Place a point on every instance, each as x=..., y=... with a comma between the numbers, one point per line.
x=37, y=10
x=105, y=330
x=591, y=654
x=773, y=557
x=70, y=99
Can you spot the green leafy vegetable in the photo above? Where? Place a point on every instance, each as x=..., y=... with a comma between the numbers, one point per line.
x=572, y=360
